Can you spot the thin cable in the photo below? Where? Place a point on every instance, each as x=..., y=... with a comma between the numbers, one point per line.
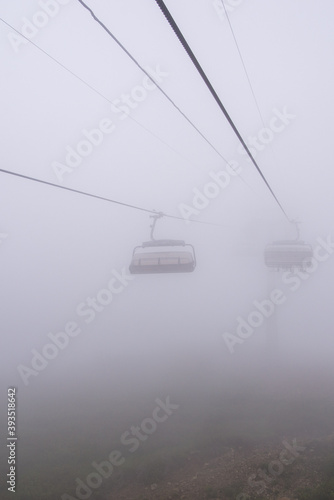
x=96, y=91
x=150, y=77
x=247, y=76
x=34, y=179
x=109, y=101
x=157, y=85
x=243, y=64
x=190, y=53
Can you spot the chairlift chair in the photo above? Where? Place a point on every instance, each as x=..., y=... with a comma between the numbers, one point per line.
x=162, y=256
x=288, y=254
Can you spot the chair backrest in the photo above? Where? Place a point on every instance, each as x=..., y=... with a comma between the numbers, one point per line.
x=288, y=254
x=172, y=261
x=163, y=243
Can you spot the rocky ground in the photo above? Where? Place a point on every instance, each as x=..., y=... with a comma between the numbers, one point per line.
x=264, y=472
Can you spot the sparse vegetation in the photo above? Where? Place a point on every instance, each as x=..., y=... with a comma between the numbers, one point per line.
x=227, y=427
x=324, y=491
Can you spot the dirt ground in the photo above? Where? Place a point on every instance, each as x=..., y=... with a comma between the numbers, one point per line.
x=254, y=473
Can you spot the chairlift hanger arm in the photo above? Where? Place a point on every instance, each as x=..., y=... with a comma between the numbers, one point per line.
x=296, y=223
x=155, y=217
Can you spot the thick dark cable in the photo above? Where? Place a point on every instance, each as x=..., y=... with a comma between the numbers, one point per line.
x=108, y=100
x=34, y=179
x=150, y=77
x=190, y=53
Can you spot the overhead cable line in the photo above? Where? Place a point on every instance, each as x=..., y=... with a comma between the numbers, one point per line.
x=243, y=63
x=84, y=193
x=190, y=53
x=108, y=100
x=149, y=76
x=112, y=103
x=95, y=90
x=247, y=75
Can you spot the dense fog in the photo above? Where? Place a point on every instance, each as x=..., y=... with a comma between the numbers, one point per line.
x=91, y=348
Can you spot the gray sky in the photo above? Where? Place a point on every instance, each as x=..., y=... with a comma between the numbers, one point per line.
x=62, y=248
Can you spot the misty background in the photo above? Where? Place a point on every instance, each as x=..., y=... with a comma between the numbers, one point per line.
x=163, y=334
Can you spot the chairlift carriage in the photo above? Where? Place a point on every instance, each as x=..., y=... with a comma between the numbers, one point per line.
x=162, y=256
x=288, y=254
